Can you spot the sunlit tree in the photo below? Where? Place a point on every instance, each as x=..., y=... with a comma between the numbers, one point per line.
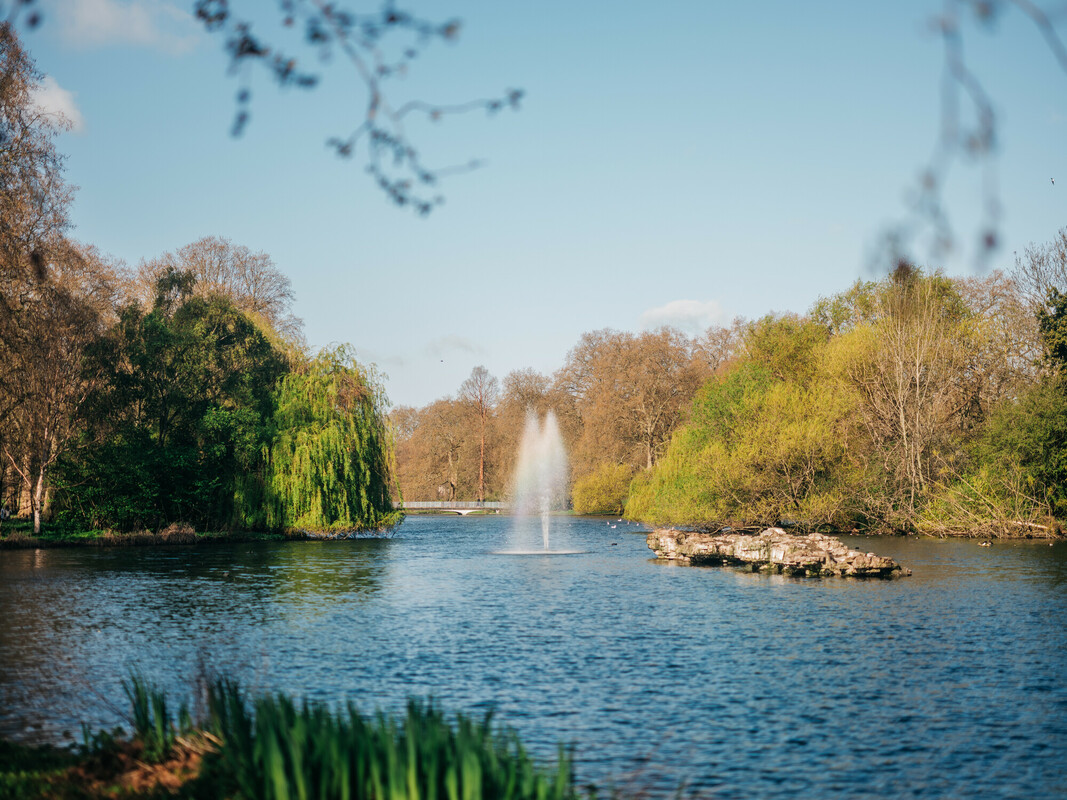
x=250, y=280
x=480, y=392
x=332, y=460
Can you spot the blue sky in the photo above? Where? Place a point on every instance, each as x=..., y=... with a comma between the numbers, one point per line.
x=675, y=162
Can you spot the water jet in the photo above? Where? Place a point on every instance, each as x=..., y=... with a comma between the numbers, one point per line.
x=540, y=483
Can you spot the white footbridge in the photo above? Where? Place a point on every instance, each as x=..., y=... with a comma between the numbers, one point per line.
x=462, y=507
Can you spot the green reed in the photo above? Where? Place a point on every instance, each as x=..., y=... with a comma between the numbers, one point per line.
x=274, y=749
x=152, y=723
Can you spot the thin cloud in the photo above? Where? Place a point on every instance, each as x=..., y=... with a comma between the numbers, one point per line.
x=691, y=316
x=379, y=359
x=153, y=24
x=54, y=101
x=447, y=345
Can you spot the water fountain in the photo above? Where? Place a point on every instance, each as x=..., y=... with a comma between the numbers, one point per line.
x=540, y=483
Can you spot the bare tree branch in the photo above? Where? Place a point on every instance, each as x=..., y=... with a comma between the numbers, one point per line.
x=962, y=90
x=392, y=159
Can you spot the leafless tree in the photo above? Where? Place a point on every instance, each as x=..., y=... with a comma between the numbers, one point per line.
x=43, y=312
x=522, y=391
x=908, y=367
x=405, y=421
x=1040, y=268
x=47, y=384
x=249, y=280
x=377, y=46
x=34, y=199
x=1005, y=356
x=964, y=96
x=719, y=344
x=630, y=392
x=480, y=391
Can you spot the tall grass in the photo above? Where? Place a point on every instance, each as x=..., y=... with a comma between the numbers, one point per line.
x=271, y=748
x=152, y=723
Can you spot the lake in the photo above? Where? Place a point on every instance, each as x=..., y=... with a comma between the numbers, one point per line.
x=948, y=683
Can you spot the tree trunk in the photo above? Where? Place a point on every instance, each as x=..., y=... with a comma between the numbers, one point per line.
x=25, y=509
x=481, y=465
x=453, y=477
x=38, y=502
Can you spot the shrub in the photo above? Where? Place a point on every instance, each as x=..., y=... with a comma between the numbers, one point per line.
x=603, y=491
x=756, y=450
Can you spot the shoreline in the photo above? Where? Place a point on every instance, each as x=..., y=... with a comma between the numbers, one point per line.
x=20, y=541
x=185, y=536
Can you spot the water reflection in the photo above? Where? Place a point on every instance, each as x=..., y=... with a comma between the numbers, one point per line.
x=738, y=684
x=74, y=623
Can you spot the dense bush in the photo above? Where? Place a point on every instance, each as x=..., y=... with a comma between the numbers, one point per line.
x=1029, y=435
x=181, y=420
x=915, y=403
x=758, y=449
x=603, y=491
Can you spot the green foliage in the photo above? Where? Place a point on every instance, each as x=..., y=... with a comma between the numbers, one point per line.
x=878, y=414
x=31, y=772
x=757, y=450
x=723, y=406
x=191, y=428
x=273, y=749
x=179, y=430
x=1030, y=434
x=203, y=423
x=152, y=723
x=987, y=500
x=270, y=748
x=785, y=345
x=1052, y=322
x=331, y=463
x=682, y=489
x=675, y=492
x=603, y=491
x=841, y=312
x=1016, y=472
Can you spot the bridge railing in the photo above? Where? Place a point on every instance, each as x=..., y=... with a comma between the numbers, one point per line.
x=416, y=505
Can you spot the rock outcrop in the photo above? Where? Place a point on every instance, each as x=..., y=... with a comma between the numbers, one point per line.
x=774, y=550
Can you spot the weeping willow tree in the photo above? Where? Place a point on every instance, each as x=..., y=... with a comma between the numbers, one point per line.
x=331, y=463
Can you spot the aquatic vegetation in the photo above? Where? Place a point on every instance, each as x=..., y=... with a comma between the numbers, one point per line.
x=152, y=723
x=271, y=747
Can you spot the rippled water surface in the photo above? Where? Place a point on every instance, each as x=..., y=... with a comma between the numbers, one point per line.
x=949, y=683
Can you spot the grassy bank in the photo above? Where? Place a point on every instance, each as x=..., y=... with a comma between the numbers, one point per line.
x=18, y=534
x=271, y=748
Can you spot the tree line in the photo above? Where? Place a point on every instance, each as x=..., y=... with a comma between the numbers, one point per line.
x=181, y=390
x=617, y=398
x=917, y=402
x=178, y=391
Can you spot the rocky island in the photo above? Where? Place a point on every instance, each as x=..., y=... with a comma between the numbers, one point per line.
x=773, y=550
